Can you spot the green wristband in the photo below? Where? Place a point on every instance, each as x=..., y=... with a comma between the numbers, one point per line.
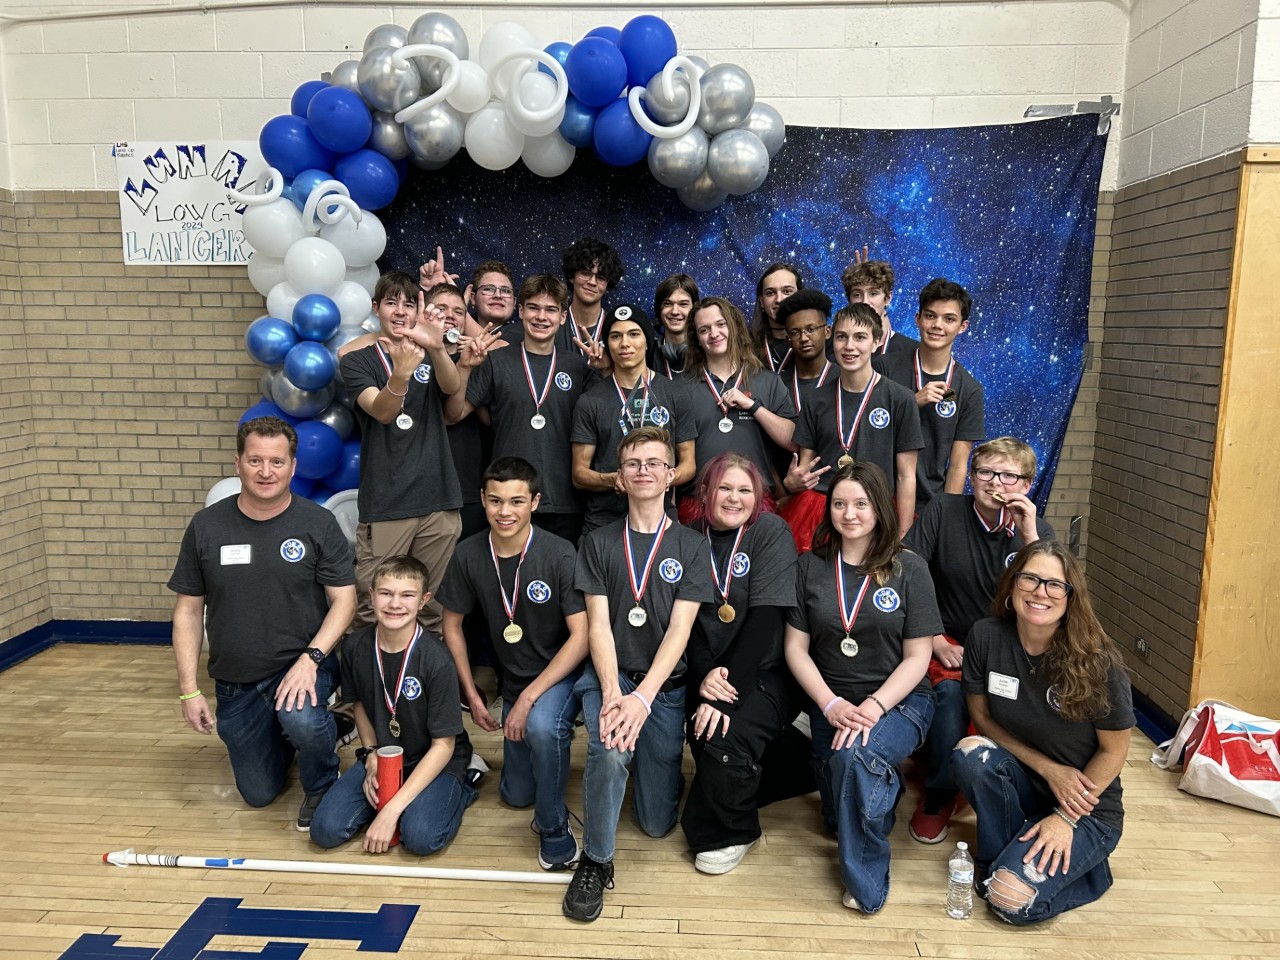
x=183, y=697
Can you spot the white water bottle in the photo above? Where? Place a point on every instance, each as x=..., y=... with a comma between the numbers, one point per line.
x=960, y=883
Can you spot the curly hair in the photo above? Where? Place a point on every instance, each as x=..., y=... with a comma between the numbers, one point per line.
x=592, y=254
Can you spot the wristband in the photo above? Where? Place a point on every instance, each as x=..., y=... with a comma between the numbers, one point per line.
x=1064, y=818
x=754, y=407
x=830, y=703
x=884, y=711
x=183, y=697
x=394, y=394
x=640, y=696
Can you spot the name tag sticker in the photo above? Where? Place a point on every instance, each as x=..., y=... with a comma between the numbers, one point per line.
x=1002, y=686
x=235, y=553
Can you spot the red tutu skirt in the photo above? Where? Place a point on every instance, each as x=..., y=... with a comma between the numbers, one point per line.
x=803, y=512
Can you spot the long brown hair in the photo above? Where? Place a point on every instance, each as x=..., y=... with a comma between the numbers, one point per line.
x=744, y=358
x=1080, y=654
x=882, y=556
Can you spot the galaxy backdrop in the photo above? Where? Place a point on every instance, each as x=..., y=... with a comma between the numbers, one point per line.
x=1007, y=211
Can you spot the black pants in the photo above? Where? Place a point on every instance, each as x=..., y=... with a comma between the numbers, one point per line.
x=761, y=759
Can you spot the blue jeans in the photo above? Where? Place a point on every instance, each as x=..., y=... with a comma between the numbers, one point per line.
x=655, y=803
x=1008, y=803
x=427, y=825
x=535, y=770
x=261, y=740
x=950, y=723
x=862, y=786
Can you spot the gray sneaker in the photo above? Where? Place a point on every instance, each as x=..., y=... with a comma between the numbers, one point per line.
x=307, y=812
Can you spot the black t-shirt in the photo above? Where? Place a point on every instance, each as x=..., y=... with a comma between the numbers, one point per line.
x=594, y=322
x=263, y=582
x=890, y=424
x=901, y=609
x=764, y=575
x=601, y=421
x=428, y=705
x=545, y=598
x=965, y=559
x=898, y=343
x=403, y=473
x=997, y=666
x=680, y=572
x=777, y=352
x=501, y=385
x=466, y=444
x=942, y=423
x=667, y=359
x=747, y=437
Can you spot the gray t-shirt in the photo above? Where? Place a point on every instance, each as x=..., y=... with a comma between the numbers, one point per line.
x=501, y=385
x=747, y=437
x=1024, y=704
x=900, y=609
x=546, y=596
x=263, y=582
x=680, y=572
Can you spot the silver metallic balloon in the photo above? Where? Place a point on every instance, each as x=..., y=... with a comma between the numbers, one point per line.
x=702, y=195
x=766, y=123
x=663, y=110
x=728, y=95
x=388, y=85
x=298, y=402
x=443, y=31
x=435, y=135
x=267, y=382
x=700, y=61
x=388, y=136
x=679, y=161
x=429, y=165
x=344, y=75
x=737, y=161
x=338, y=417
x=386, y=35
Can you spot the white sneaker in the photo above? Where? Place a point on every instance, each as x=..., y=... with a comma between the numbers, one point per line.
x=722, y=860
x=849, y=902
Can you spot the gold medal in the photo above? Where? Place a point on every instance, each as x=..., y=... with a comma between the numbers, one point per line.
x=948, y=394
x=844, y=461
x=512, y=632
x=394, y=727
x=726, y=613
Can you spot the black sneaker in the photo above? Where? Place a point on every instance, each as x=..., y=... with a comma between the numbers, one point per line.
x=307, y=812
x=585, y=897
x=346, y=729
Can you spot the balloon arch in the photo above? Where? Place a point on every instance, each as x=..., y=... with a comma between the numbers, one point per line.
x=415, y=98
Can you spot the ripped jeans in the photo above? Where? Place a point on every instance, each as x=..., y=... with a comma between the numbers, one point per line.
x=1007, y=804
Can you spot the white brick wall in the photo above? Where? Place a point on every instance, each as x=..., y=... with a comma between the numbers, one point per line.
x=1264, y=120
x=73, y=87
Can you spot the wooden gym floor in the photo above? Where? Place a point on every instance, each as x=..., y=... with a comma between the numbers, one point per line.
x=95, y=758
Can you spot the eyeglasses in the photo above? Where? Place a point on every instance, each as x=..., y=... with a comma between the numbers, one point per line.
x=489, y=290
x=644, y=466
x=1008, y=479
x=803, y=332
x=1029, y=583
x=585, y=275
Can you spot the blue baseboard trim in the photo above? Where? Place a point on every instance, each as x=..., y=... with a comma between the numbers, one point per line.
x=46, y=635
x=1153, y=721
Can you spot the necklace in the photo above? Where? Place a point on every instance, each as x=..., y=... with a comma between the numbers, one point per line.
x=1032, y=665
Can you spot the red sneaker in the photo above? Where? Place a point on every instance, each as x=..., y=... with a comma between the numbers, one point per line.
x=931, y=827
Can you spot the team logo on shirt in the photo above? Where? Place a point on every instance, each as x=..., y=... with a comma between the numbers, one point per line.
x=741, y=564
x=659, y=416
x=411, y=688
x=879, y=418
x=1009, y=559
x=423, y=373
x=886, y=599
x=1051, y=697
x=670, y=570
x=564, y=381
x=538, y=592
x=945, y=408
x=293, y=550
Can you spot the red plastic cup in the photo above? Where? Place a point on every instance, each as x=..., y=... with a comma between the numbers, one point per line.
x=390, y=778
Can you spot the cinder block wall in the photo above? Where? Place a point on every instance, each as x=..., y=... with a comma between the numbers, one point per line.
x=1161, y=363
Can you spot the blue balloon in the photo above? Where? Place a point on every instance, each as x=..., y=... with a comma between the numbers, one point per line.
x=371, y=178
x=647, y=44
x=265, y=408
x=319, y=449
x=339, y=119
x=304, y=183
x=578, y=123
x=347, y=476
x=309, y=366
x=303, y=96
x=288, y=144
x=612, y=34
x=596, y=70
x=301, y=485
x=269, y=340
x=320, y=493
x=316, y=317
x=560, y=50
x=618, y=139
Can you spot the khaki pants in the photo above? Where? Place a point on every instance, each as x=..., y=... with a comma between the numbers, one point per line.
x=430, y=539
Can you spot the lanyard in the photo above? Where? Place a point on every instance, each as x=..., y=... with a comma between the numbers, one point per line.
x=509, y=605
x=717, y=393
x=392, y=704
x=951, y=369
x=539, y=396
x=640, y=584
x=728, y=567
x=857, y=419
x=849, y=618
x=595, y=333
x=1003, y=522
x=624, y=399
x=795, y=383
x=775, y=365
x=884, y=344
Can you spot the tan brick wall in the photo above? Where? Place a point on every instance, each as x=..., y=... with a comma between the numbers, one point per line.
x=1161, y=363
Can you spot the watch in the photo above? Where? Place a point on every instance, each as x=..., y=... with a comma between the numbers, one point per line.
x=363, y=752
x=316, y=654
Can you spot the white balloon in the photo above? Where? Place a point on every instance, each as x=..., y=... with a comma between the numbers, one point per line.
x=367, y=277
x=314, y=266
x=535, y=92
x=472, y=92
x=352, y=300
x=491, y=140
x=265, y=272
x=548, y=156
x=230, y=487
x=272, y=228
x=281, y=300
x=499, y=40
x=359, y=243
